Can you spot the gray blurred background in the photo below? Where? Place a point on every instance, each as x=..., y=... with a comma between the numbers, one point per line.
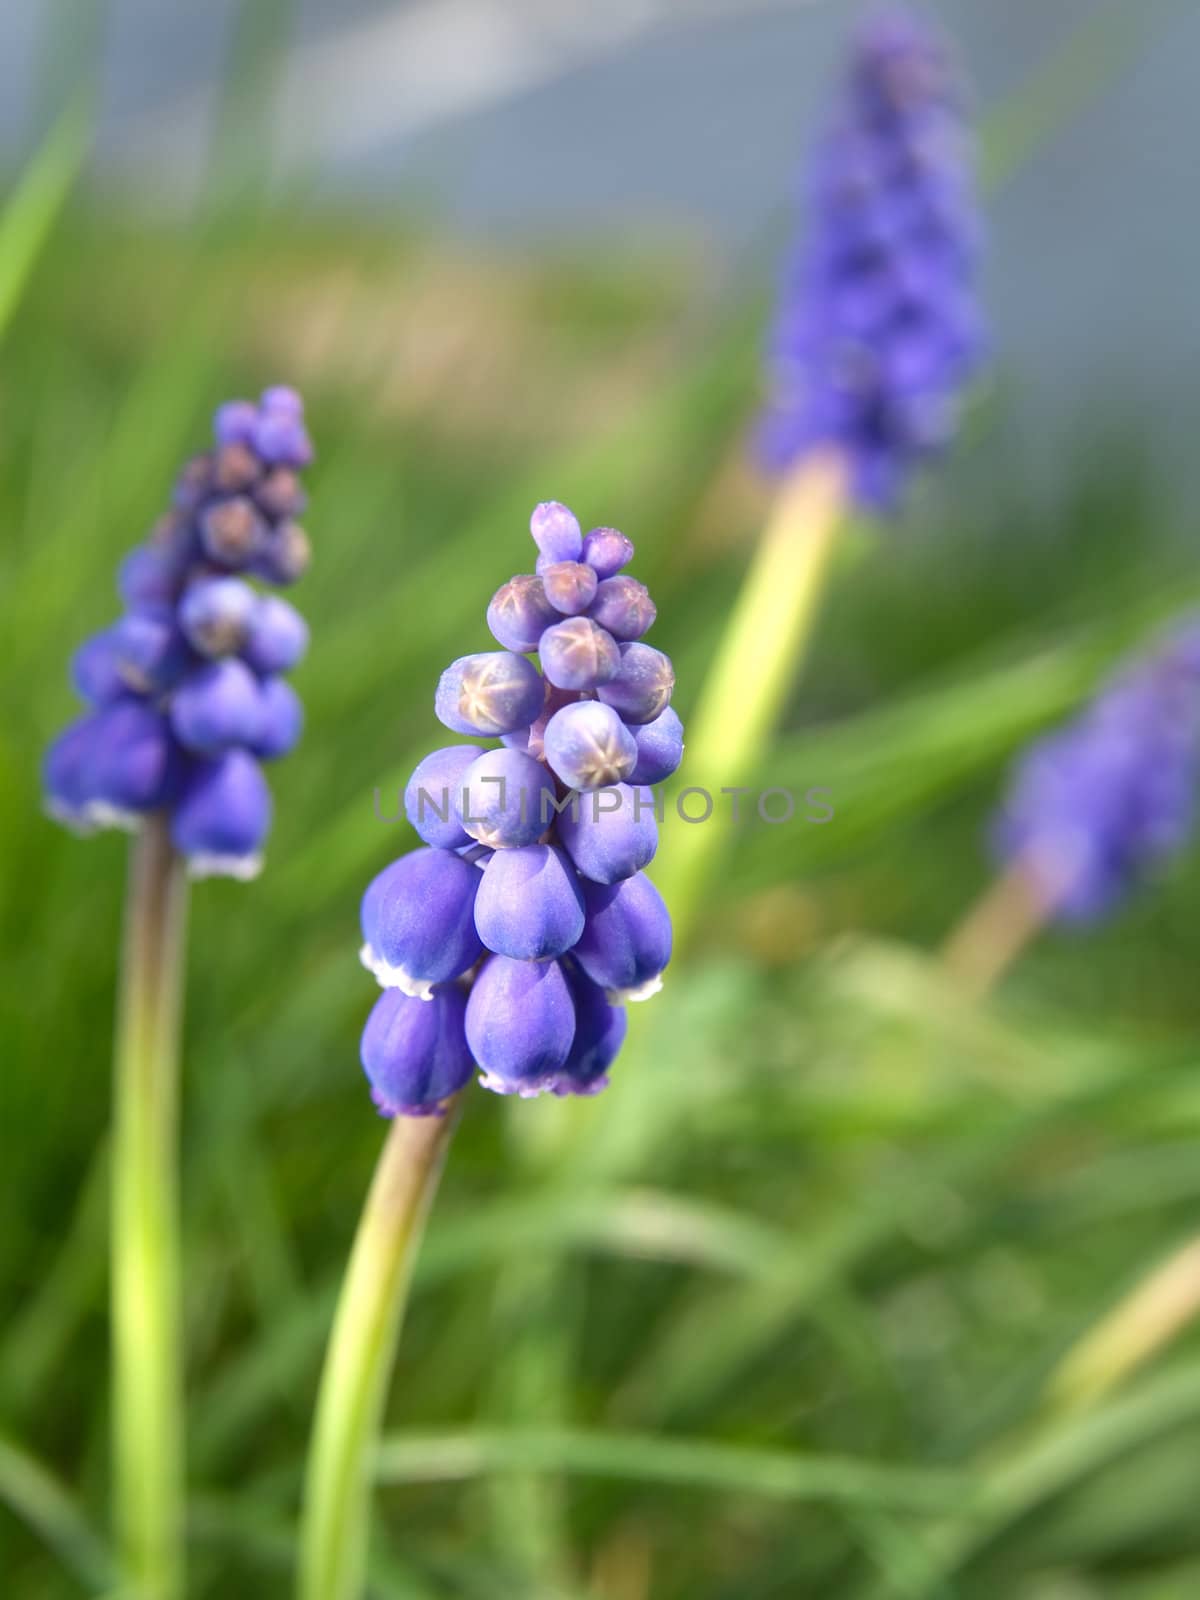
x=520, y=121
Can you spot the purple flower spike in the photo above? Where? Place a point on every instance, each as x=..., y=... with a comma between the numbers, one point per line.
x=642, y=688
x=878, y=330
x=281, y=720
x=418, y=922
x=606, y=551
x=432, y=797
x=659, y=748
x=556, y=532
x=529, y=905
x=520, y=1025
x=216, y=615
x=579, y=655
x=520, y=613
x=570, y=586
x=599, y=1034
x=520, y=836
x=623, y=606
x=415, y=1054
x=217, y=707
x=96, y=670
x=489, y=694
x=506, y=799
x=626, y=942
x=1103, y=803
x=193, y=667
x=587, y=746
x=278, y=636
x=223, y=817
x=611, y=833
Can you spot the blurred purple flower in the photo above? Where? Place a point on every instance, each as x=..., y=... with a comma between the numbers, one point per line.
x=879, y=329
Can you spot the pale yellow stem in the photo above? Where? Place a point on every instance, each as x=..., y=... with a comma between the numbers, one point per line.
x=753, y=672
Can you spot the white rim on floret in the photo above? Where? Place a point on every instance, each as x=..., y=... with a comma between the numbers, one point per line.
x=243, y=868
x=639, y=992
x=389, y=977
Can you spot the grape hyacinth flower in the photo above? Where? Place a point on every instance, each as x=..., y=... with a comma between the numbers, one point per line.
x=879, y=330
x=193, y=674
x=1103, y=803
x=508, y=943
x=876, y=337
x=557, y=819
x=184, y=699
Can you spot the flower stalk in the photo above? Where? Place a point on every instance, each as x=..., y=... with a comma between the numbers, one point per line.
x=757, y=662
x=362, y=1348
x=147, y=1367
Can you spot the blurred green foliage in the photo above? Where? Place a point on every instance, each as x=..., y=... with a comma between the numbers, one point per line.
x=779, y=1314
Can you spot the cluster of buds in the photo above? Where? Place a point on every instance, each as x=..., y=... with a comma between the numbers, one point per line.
x=513, y=938
x=1099, y=804
x=186, y=692
x=879, y=328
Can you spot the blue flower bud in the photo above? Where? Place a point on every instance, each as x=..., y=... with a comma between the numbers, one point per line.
x=193, y=485
x=642, y=688
x=432, y=797
x=280, y=495
x=235, y=468
x=418, y=921
x=151, y=652
x=281, y=720
x=223, y=817
x=232, y=531
x=659, y=747
x=532, y=739
x=623, y=606
x=491, y=693
x=282, y=398
x=235, y=422
x=520, y=1024
x=285, y=554
x=529, y=905
x=599, y=1034
x=280, y=437
x=278, y=636
x=570, y=586
x=150, y=575
x=136, y=765
x=216, y=615
x=577, y=654
x=588, y=746
x=96, y=669
x=414, y=1053
x=520, y=613
x=611, y=833
x=626, y=942
x=606, y=551
x=556, y=532
x=68, y=776
x=217, y=707
x=506, y=799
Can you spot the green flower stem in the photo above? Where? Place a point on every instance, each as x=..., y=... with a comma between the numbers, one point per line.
x=148, y=1469
x=358, y=1362
x=754, y=669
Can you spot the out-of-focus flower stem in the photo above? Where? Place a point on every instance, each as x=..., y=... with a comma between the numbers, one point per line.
x=754, y=669
x=148, y=1450
x=1018, y=905
x=358, y=1361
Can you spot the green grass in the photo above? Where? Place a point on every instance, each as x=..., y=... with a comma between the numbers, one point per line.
x=774, y=1317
